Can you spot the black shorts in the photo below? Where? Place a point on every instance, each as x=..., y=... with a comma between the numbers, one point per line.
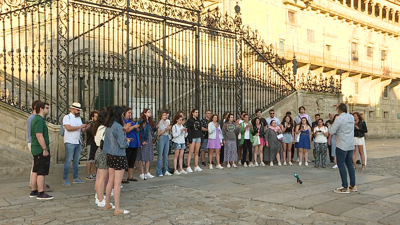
x=91, y=152
x=117, y=162
x=41, y=164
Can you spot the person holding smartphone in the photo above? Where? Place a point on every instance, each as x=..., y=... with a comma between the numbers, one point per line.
x=246, y=131
x=163, y=131
x=179, y=133
x=321, y=143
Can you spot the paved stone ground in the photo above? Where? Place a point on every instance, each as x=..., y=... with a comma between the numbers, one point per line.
x=263, y=195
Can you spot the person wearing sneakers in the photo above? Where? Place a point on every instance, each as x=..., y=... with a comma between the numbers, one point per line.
x=343, y=129
x=179, y=133
x=230, y=131
x=204, y=141
x=163, y=131
x=73, y=144
x=246, y=138
x=194, y=137
x=115, y=145
x=287, y=128
x=215, y=140
x=146, y=153
x=258, y=130
x=100, y=159
x=41, y=152
x=273, y=144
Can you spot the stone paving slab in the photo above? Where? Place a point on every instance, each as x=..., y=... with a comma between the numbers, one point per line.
x=262, y=195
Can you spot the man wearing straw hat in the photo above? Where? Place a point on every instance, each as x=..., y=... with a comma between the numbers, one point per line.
x=72, y=141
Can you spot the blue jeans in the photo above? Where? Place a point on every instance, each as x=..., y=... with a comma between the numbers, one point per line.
x=73, y=152
x=345, y=159
x=163, y=149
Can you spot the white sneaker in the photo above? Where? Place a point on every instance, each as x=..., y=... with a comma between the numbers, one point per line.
x=197, y=169
x=189, y=170
x=251, y=164
x=271, y=164
x=306, y=163
x=228, y=165
x=168, y=173
x=256, y=164
x=298, y=160
x=284, y=163
x=262, y=164
x=183, y=172
x=177, y=172
x=335, y=167
x=210, y=167
x=219, y=167
x=299, y=163
x=149, y=176
x=142, y=176
x=290, y=163
x=234, y=165
x=160, y=175
x=245, y=165
x=239, y=162
x=279, y=164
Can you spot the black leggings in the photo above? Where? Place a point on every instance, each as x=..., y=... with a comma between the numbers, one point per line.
x=247, y=147
x=131, y=154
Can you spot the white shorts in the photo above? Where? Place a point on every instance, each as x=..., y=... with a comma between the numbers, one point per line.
x=359, y=141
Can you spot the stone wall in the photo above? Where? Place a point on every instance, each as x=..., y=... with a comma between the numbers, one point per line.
x=13, y=132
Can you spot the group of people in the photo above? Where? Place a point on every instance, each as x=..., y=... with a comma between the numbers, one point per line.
x=116, y=144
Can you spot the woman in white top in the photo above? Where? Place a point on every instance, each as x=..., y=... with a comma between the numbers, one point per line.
x=321, y=143
x=179, y=132
x=215, y=140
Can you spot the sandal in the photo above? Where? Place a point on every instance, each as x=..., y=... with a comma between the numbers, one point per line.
x=132, y=179
x=124, y=181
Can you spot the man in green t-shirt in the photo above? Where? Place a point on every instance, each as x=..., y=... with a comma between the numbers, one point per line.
x=40, y=151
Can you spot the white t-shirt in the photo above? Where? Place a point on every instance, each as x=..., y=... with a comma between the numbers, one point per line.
x=320, y=137
x=247, y=131
x=72, y=137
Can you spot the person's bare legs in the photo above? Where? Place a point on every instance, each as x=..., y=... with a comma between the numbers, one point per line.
x=147, y=164
x=117, y=188
x=110, y=186
x=176, y=159
x=300, y=154
x=210, y=155
x=100, y=179
x=141, y=167
x=362, y=156
x=196, y=154
x=284, y=147
x=217, y=156
x=278, y=156
x=130, y=173
x=181, y=152
x=305, y=155
x=191, y=150
x=255, y=153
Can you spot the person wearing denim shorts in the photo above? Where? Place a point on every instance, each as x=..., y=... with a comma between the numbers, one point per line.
x=179, y=132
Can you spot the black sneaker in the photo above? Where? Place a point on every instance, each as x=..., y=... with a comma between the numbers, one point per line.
x=33, y=194
x=44, y=196
x=358, y=162
x=203, y=164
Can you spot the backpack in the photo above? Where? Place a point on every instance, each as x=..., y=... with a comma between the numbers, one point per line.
x=62, y=129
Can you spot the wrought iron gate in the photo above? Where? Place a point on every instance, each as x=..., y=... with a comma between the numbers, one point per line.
x=139, y=53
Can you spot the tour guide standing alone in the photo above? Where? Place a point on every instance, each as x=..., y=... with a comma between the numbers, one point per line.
x=343, y=129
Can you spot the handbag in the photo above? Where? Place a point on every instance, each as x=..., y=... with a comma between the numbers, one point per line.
x=297, y=137
x=240, y=134
x=256, y=140
x=280, y=137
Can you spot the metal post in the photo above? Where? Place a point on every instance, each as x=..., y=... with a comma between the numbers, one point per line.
x=127, y=54
x=197, y=55
x=164, y=80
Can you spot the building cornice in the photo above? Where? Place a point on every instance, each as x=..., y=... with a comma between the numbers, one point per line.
x=348, y=18
x=396, y=2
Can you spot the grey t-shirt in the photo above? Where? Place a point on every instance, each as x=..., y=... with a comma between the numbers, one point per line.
x=28, y=126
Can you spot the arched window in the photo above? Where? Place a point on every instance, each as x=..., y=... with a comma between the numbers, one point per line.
x=370, y=8
x=384, y=11
x=348, y=3
x=363, y=6
x=396, y=17
x=391, y=15
x=355, y=4
x=377, y=10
